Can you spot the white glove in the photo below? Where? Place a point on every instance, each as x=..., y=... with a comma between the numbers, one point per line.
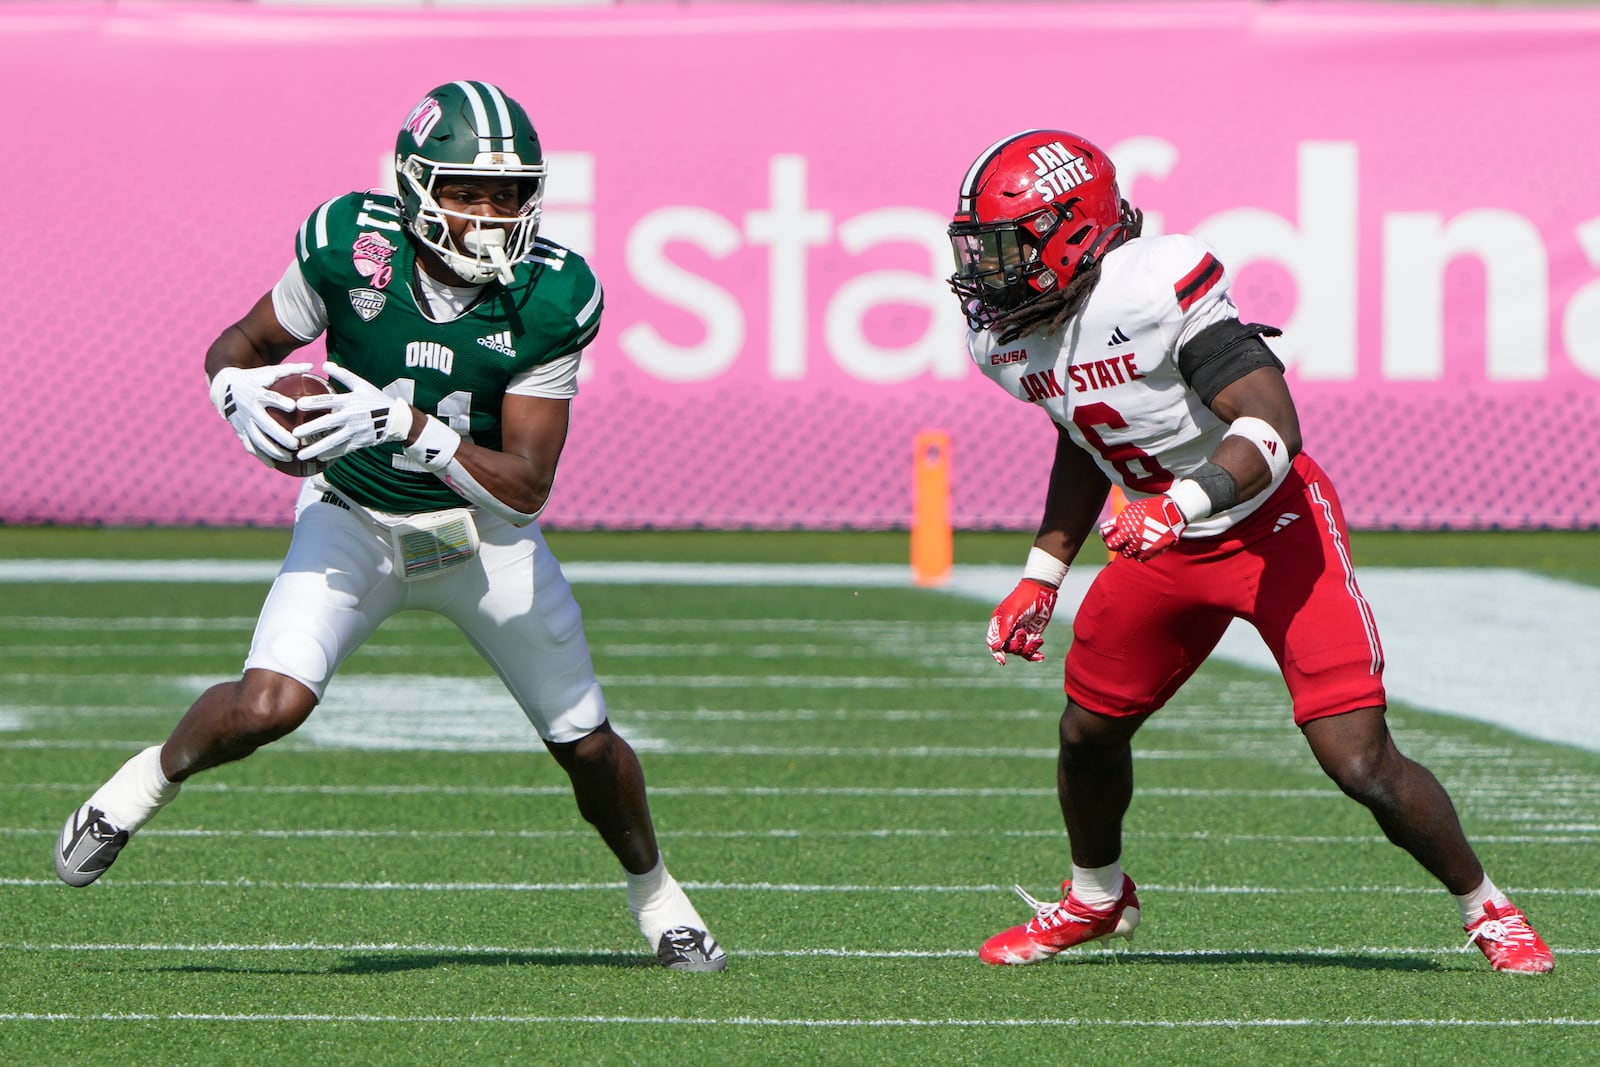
x=243, y=396
x=363, y=417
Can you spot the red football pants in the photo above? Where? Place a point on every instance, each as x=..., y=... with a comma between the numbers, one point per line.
x=1145, y=627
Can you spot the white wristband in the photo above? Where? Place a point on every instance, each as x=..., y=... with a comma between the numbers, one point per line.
x=1191, y=498
x=1045, y=568
x=1260, y=433
x=435, y=445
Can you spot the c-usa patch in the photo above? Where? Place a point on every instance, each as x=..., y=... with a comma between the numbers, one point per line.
x=367, y=302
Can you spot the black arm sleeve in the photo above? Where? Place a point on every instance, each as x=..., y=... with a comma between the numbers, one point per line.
x=1224, y=352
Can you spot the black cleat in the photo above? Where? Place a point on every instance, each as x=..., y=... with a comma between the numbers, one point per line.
x=89, y=845
x=684, y=948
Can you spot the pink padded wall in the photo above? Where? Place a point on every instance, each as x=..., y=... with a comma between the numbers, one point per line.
x=763, y=190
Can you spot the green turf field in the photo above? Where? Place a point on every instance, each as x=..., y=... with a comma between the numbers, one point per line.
x=845, y=782
x=1570, y=554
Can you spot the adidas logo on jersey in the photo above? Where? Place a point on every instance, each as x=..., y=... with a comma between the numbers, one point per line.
x=1117, y=338
x=500, y=342
x=1283, y=520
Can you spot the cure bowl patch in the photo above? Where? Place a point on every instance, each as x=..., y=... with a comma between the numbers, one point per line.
x=371, y=256
x=367, y=302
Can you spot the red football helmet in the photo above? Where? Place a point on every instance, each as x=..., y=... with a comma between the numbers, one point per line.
x=1035, y=209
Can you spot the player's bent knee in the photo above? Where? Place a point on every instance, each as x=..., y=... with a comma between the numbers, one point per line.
x=1357, y=752
x=1357, y=779
x=600, y=747
x=1084, y=731
x=268, y=705
x=1367, y=775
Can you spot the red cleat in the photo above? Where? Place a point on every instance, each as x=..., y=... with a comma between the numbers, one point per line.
x=1063, y=925
x=1510, y=943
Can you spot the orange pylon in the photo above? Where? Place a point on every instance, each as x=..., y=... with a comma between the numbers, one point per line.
x=932, y=543
x=1116, y=502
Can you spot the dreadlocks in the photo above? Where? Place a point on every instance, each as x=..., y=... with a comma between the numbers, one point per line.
x=1051, y=312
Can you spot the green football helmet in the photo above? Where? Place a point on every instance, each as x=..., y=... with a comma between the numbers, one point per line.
x=469, y=128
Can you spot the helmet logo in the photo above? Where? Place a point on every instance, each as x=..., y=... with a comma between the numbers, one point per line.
x=1058, y=170
x=371, y=255
x=422, y=119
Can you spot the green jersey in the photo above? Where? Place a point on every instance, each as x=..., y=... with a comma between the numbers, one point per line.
x=354, y=253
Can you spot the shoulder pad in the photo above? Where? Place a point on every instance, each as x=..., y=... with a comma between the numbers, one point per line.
x=329, y=236
x=560, y=296
x=1151, y=279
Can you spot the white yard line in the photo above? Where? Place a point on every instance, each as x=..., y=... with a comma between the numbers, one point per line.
x=1501, y=646
x=745, y=1021
x=525, y=952
x=1557, y=836
x=759, y=887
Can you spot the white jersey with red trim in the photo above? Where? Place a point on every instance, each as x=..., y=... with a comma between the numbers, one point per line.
x=1110, y=375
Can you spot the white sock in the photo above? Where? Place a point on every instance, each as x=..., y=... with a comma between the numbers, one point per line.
x=643, y=889
x=1471, y=904
x=659, y=903
x=1098, y=887
x=136, y=792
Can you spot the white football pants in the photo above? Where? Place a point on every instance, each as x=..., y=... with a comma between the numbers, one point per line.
x=338, y=583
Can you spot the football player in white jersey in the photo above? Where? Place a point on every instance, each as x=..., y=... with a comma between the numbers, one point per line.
x=472, y=325
x=1134, y=348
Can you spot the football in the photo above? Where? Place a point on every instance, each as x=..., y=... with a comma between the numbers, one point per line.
x=294, y=386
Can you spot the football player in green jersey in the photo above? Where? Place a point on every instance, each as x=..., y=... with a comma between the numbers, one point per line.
x=453, y=332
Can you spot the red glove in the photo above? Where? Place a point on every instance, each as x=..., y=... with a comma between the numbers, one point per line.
x=1144, y=528
x=1018, y=623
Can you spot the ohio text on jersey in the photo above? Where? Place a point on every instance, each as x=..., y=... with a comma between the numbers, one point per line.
x=354, y=254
